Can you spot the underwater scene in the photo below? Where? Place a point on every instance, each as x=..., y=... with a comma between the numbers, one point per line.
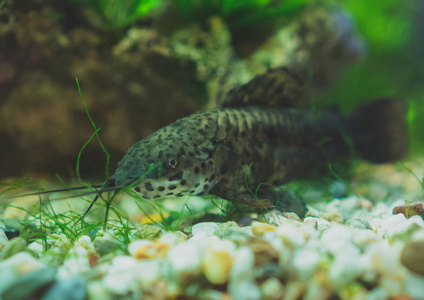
x=211, y=149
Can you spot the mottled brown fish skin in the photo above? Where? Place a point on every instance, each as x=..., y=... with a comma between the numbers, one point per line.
x=202, y=153
x=259, y=137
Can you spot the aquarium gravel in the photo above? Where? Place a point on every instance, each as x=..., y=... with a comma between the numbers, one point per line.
x=347, y=248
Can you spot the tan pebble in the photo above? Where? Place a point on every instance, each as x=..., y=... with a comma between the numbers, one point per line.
x=402, y=297
x=272, y=288
x=311, y=222
x=263, y=251
x=365, y=204
x=217, y=265
x=93, y=258
x=334, y=217
x=412, y=256
x=154, y=250
x=260, y=229
x=291, y=216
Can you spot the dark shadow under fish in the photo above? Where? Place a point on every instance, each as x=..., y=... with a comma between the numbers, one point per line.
x=258, y=137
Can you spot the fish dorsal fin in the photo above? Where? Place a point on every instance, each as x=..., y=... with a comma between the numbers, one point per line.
x=280, y=87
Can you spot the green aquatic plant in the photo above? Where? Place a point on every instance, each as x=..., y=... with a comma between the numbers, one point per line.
x=116, y=14
x=241, y=13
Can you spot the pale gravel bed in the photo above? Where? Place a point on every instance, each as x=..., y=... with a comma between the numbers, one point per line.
x=347, y=248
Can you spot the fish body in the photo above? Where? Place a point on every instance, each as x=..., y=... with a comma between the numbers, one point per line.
x=260, y=137
x=231, y=151
x=203, y=152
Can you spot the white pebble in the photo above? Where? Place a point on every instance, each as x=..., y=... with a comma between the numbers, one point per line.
x=185, y=257
x=16, y=265
x=36, y=247
x=134, y=246
x=244, y=290
x=170, y=239
x=390, y=223
x=346, y=267
x=206, y=227
x=121, y=278
x=291, y=234
x=97, y=291
x=75, y=264
x=148, y=271
x=243, y=265
x=406, y=228
x=84, y=241
x=414, y=285
x=305, y=262
x=336, y=238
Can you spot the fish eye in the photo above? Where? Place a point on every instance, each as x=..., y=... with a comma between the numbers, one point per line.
x=172, y=163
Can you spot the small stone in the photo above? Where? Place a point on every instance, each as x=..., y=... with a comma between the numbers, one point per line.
x=410, y=210
x=148, y=272
x=25, y=286
x=245, y=221
x=263, y=251
x=134, y=246
x=233, y=232
x=36, y=247
x=243, y=265
x=404, y=230
x=76, y=262
x=414, y=286
x=334, y=217
x=14, y=246
x=259, y=229
x=17, y=265
x=84, y=241
x=148, y=232
x=305, y=262
x=185, y=258
x=217, y=262
x=107, y=244
x=223, y=227
x=337, y=238
x=358, y=223
x=3, y=239
x=291, y=234
x=365, y=204
x=294, y=290
x=267, y=271
x=120, y=278
x=346, y=267
x=97, y=291
x=173, y=238
x=412, y=256
x=273, y=217
x=244, y=290
x=272, y=289
x=155, y=250
x=206, y=227
x=73, y=288
x=291, y=216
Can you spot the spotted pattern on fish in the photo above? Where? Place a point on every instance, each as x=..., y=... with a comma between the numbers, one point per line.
x=231, y=150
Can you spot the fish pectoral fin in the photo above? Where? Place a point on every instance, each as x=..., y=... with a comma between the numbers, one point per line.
x=283, y=200
x=267, y=198
x=245, y=198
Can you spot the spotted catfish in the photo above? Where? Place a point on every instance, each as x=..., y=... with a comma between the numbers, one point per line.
x=258, y=137
x=261, y=136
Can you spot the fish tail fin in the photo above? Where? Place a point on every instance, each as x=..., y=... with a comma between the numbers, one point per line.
x=380, y=130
